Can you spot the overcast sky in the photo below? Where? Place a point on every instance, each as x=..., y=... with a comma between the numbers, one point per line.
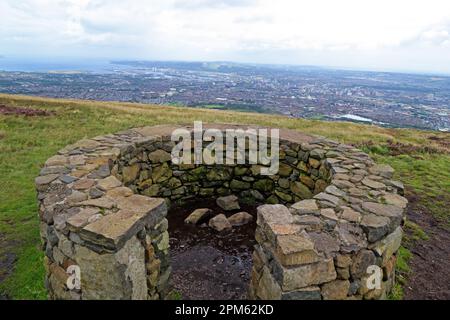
x=384, y=34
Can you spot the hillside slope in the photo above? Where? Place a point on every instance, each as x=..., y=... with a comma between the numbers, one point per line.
x=28, y=136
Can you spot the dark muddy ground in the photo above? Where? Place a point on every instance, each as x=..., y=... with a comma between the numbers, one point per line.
x=8, y=110
x=207, y=264
x=430, y=262
x=7, y=260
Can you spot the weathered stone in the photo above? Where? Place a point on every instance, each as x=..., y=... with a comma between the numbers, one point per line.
x=284, y=170
x=314, y=163
x=351, y=215
x=206, y=192
x=103, y=202
x=228, y=203
x=67, y=179
x=383, y=170
x=125, y=270
x=328, y=214
x=57, y=160
x=324, y=243
x=317, y=154
x=83, y=184
x=320, y=186
x=198, y=216
x=240, y=218
x=395, y=200
x=343, y=273
x=130, y=173
x=361, y=262
x=302, y=166
x=284, y=183
x=108, y=183
x=218, y=175
x=335, y=290
x=333, y=190
x=306, y=275
x=219, y=223
x=308, y=206
x=283, y=196
x=375, y=226
x=327, y=197
x=264, y=185
x=153, y=191
x=273, y=199
x=113, y=230
x=292, y=250
x=239, y=185
x=397, y=185
x=76, y=197
x=268, y=288
x=119, y=192
x=159, y=156
x=356, y=192
x=55, y=169
x=301, y=190
x=240, y=171
x=306, y=180
x=343, y=260
x=45, y=180
x=77, y=160
x=389, y=245
x=161, y=173
x=137, y=203
x=274, y=214
x=394, y=213
x=95, y=193
x=373, y=184
x=352, y=237
x=79, y=220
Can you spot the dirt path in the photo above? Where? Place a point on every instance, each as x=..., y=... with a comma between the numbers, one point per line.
x=8, y=110
x=7, y=260
x=430, y=263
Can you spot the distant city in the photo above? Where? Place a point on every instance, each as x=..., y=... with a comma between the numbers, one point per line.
x=382, y=98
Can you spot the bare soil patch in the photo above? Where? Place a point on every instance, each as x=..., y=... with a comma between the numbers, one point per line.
x=9, y=110
x=207, y=264
x=7, y=260
x=430, y=262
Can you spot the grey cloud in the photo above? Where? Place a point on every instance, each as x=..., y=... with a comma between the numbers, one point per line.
x=436, y=35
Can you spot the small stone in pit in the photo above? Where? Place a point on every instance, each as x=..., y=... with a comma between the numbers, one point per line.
x=240, y=218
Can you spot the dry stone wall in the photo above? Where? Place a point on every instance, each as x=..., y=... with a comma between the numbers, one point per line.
x=330, y=214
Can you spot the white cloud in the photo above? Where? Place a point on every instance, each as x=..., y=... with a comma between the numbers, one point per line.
x=284, y=31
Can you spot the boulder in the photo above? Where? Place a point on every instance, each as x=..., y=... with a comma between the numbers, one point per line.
x=219, y=223
x=198, y=216
x=240, y=218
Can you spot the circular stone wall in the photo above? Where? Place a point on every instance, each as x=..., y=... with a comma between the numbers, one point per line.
x=330, y=230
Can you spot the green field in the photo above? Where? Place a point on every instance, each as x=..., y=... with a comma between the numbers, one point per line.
x=421, y=159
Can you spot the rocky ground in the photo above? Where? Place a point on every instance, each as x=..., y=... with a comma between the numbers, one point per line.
x=207, y=264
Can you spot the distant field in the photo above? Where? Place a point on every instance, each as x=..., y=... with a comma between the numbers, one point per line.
x=421, y=160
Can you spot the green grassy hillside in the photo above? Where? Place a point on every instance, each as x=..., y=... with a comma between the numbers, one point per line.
x=421, y=160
